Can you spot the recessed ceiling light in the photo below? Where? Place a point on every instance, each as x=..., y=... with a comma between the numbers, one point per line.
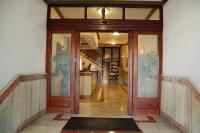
x=100, y=10
x=115, y=33
x=113, y=43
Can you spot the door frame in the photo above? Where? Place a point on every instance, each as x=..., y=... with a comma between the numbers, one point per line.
x=123, y=25
x=74, y=99
x=152, y=105
x=130, y=69
x=60, y=103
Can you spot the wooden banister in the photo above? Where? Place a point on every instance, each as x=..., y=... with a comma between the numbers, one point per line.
x=18, y=79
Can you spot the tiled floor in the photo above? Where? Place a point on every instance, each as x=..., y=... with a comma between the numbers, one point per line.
x=114, y=105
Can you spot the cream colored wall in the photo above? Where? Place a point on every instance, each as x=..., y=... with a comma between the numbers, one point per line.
x=181, y=41
x=54, y=14
x=22, y=38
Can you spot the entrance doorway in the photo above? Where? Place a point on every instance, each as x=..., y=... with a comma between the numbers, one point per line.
x=144, y=27
x=103, y=73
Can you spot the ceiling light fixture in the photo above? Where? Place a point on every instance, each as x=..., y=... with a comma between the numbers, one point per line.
x=115, y=33
x=100, y=11
x=113, y=43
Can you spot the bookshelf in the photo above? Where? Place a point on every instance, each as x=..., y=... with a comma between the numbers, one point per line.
x=114, y=69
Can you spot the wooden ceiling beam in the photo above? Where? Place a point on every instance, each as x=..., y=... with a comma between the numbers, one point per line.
x=104, y=2
x=59, y=12
x=150, y=14
x=98, y=35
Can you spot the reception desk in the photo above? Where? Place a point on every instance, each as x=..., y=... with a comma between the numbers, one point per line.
x=88, y=83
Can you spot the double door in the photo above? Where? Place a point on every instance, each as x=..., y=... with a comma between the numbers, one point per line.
x=144, y=68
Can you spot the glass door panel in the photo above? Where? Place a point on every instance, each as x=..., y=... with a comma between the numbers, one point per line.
x=148, y=66
x=60, y=64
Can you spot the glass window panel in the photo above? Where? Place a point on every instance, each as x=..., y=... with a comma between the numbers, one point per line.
x=116, y=53
x=54, y=14
x=155, y=15
x=147, y=66
x=141, y=13
x=111, y=13
x=108, y=54
x=92, y=13
x=68, y=12
x=60, y=65
x=114, y=13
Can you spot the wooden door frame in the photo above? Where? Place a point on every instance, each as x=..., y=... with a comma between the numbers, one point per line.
x=132, y=70
x=62, y=101
x=128, y=26
x=154, y=104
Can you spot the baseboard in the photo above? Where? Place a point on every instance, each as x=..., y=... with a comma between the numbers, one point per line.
x=174, y=122
x=29, y=121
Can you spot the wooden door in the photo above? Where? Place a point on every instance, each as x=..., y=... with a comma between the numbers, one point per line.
x=61, y=71
x=147, y=60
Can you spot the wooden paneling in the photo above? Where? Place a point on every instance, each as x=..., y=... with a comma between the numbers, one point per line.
x=24, y=101
x=181, y=103
x=19, y=79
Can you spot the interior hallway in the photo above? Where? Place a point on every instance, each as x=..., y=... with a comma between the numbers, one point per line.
x=114, y=104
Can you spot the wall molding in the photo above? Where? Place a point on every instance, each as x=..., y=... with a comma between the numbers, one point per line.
x=192, y=90
x=178, y=125
x=183, y=81
x=29, y=121
x=16, y=80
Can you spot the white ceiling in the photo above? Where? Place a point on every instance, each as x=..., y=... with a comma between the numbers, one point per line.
x=108, y=38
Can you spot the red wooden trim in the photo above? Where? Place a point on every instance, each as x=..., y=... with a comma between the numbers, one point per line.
x=98, y=25
x=123, y=13
x=135, y=70
x=72, y=71
x=48, y=65
x=104, y=3
x=86, y=73
x=59, y=12
x=77, y=77
x=96, y=131
x=85, y=13
x=21, y=78
x=150, y=13
x=130, y=73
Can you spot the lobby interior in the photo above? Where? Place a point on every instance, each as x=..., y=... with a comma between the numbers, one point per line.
x=131, y=59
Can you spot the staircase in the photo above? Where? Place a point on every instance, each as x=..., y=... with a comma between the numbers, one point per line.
x=93, y=56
